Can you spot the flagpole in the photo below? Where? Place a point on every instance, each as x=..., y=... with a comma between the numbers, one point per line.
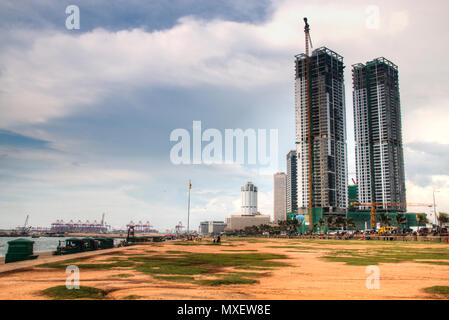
x=188, y=210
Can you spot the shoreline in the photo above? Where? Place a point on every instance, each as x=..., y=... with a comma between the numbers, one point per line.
x=47, y=257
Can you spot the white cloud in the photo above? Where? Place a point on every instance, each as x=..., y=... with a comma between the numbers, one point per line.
x=55, y=74
x=45, y=75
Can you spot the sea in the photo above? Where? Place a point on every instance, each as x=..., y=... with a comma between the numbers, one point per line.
x=40, y=244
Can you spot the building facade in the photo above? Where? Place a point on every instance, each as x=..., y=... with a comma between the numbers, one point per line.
x=328, y=128
x=249, y=198
x=292, y=181
x=280, y=197
x=239, y=222
x=212, y=227
x=378, y=133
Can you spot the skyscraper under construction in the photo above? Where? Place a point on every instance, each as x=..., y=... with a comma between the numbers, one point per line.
x=328, y=131
x=292, y=178
x=378, y=137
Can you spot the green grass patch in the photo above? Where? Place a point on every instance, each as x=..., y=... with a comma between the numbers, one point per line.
x=440, y=263
x=253, y=268
x=227, y=280
x=239, y=250
x=175, y=252
x=122, y=275
x=438, y=290
x=62, y=293
x=182, y=279
x=65, y=264
x=251, y=274
x=393, y=254
x=132, y=297
x=156, y=268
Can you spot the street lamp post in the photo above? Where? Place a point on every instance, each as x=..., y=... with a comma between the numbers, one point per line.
x=188, y=210
x=434, y=208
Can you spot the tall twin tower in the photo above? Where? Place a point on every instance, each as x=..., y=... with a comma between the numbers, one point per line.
x=377, y=121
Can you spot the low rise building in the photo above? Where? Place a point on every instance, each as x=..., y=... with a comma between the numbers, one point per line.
x=211, y=227
x=239, y=222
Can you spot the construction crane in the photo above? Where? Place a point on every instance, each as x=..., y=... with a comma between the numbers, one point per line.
x=309, y=119
x=373, y=206
x=24, y=230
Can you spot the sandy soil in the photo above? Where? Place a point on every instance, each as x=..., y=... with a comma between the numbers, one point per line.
x=308, y=277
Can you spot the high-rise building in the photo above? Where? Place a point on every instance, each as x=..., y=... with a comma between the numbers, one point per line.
x=280, y=197
x=378, y=133
x=249, y=198
x=328, y=131
x=292, y=181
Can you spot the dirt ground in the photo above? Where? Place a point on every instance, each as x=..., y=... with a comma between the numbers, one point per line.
x=308, y=277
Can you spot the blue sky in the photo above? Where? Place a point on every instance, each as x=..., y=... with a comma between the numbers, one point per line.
x=86, y=114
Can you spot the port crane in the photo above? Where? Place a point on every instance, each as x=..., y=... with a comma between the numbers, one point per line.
x=374, y=206
x=25, y=229
x=179, y=227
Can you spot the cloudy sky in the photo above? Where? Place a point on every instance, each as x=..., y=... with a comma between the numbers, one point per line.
x=86, y=115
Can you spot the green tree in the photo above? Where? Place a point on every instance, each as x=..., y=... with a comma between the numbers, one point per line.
x=421, y=218
x=321, y=222
x=443, y=218
x=340, y=222
x=384, y=219
x=401, y=220
x=350, y=223
x=330, y=222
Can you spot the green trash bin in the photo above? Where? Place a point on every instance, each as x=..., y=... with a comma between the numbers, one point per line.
x=20, y=250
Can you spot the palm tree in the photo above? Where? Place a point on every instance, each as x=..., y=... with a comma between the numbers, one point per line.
x=421, y=218
x=321, y=222
x=351, y=223
x=330, y=222
x=401, y=220
x=340, y=221
x=384, y=219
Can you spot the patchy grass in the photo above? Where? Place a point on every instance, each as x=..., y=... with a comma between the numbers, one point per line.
x=122, y=275
x=251, y=274
x=227, y=280
x=202, y=243
x=253, y=268
x=189, y=264
x=62, y=293
x=440, y=263
x=443, y=290
x=65, y=264
x=180, y=266
x=132, y=297
x=239, y=250
x=182, y=279
x=390, y=254
x=247, y=239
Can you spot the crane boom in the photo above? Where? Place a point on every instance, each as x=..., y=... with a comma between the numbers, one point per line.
x=309, y=119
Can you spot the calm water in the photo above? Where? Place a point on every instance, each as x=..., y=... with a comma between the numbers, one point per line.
x=40, y=244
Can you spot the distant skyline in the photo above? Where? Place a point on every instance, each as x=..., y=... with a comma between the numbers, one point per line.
x=86, y=114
